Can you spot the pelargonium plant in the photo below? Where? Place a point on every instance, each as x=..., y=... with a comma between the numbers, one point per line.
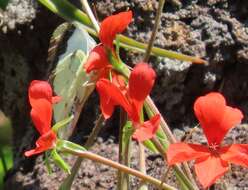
x=118, y=85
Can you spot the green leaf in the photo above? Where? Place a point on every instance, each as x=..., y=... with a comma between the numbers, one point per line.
x=69, y=145
x=69, y=79
x=58, y=160
x=66, y=10
x=66, y=84
x=62, y=123
x=150, y=146
x=71, y=83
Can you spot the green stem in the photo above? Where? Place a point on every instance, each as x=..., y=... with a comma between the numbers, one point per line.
x=105, y=161
x=90, y=15
x=139, y=46
x=155, y=29
x=124, y=152
x=142, y=164
x=67, y=11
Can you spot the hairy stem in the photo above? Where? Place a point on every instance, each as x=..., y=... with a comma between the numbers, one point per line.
x=105, y=161
x=142, y=164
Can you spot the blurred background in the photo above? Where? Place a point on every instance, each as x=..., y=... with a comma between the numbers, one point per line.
x=6, y=157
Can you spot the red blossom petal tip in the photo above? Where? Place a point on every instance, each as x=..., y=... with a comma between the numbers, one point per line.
x=147, y=130
x=41, y=89
x=113, y=25
x=215, y=117
x=45, y=142
x=141, y=81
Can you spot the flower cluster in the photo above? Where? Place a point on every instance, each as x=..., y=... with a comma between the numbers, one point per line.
x=215, y=117
x=115, y=92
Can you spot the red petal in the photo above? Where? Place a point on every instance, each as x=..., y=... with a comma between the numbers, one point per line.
x=45, y=142
x=148, y=129
x=181, y=152
x=209, y=169
x=39, y=89
x=41, y=114
x=235, y=154
x=141, y=81
x=110, y=95
x=97, y=59
x=215, y=117
x=113, y=25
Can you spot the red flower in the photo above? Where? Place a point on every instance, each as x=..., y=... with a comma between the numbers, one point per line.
x=212, y=161
x=131, y=99
x=110, y=27
x=41, y=99
x=41, y=115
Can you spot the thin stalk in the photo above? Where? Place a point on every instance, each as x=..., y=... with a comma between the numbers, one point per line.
x=90, y=15
x=163, y=123
x=105, y=161
x=142, y=164
x=182, y=178
x=67, y=183
x=155, y=29
x=139, y=46
x=124, y=153
x=98, y=126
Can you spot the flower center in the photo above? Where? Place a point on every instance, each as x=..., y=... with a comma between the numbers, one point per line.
x=214, y=147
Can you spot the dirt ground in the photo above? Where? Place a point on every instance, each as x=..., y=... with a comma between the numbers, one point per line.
x=216, y=30
x=100, y=177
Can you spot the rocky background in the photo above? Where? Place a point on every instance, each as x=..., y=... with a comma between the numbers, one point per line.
x=216, y=30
